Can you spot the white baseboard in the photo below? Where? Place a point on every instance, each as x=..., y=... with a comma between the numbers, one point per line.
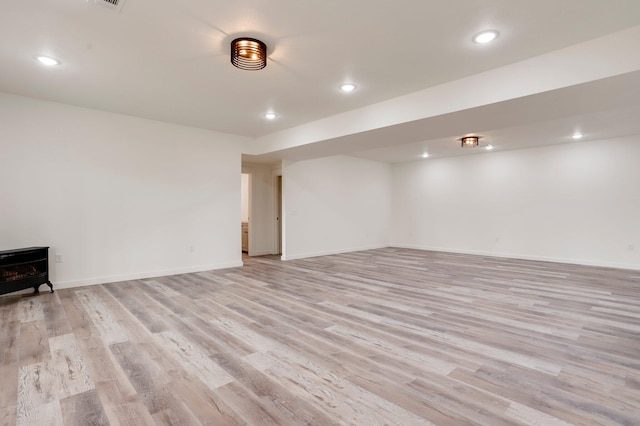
x=168, y=272
x=143, y=275
x=330, y=252
x=572, y=261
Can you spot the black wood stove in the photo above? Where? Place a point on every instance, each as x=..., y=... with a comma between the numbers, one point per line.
x=24, y=268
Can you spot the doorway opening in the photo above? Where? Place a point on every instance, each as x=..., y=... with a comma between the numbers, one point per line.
x=278, y=214
x=245, y=209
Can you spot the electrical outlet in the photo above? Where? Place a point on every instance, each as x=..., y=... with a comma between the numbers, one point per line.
x=58, y=258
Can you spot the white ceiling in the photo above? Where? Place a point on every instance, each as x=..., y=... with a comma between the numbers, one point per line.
x=606, y=108
x=169, y=60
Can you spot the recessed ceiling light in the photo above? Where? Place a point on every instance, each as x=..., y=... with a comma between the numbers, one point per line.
x=348, y=87
x=488, y=147
x=577, y=135
x=47, y=60
x=270, y=115
x=485, y=36
x=425, y=155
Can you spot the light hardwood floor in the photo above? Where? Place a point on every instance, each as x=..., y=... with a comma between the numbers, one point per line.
x=389, y=336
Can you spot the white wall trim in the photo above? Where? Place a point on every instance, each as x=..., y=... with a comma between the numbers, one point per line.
x=57, y=285
x=571, y=261
x=330, y=252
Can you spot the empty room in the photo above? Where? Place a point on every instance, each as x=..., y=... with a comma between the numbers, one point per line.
x=320, y=213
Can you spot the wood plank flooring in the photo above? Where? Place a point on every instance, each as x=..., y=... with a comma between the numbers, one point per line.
x=378, y=337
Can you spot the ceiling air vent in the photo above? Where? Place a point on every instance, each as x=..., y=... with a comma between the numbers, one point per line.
x=111, y=4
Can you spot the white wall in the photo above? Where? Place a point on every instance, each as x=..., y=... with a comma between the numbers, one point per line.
x=117, y=197
x=335, y=204
x=576, y=203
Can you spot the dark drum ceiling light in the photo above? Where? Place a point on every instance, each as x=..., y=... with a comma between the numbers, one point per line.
x=469, y=141
x=248, y=54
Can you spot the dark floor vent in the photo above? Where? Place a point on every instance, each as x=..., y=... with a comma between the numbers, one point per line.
x=111, y=4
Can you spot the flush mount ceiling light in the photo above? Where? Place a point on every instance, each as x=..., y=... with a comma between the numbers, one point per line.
x=348, y=87
x=488, y=147
x=248, y=54
x=270, y=115
x=47, y=60
x=577, y=135
x=469, y=141
x=425, y=155
x=485, y=36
